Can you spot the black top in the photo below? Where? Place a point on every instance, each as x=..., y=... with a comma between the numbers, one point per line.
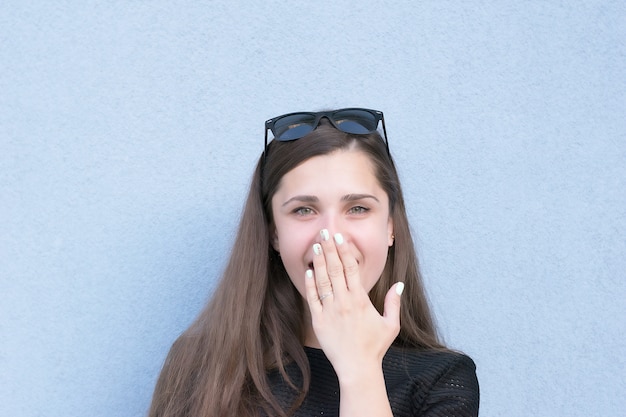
x=419, y=383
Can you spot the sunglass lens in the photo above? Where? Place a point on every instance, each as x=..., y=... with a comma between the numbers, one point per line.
x=293, y=127
x=355, y=121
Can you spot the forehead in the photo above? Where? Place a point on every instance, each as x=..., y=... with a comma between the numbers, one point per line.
x=347, y=171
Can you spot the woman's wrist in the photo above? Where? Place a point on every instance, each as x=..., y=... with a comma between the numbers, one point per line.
x=364, y=393
x=358, y=376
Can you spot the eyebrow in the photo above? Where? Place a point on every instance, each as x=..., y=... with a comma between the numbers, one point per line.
x=314, y=199
x=354, y=197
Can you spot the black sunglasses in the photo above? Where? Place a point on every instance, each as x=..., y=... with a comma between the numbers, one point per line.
x=292, y=126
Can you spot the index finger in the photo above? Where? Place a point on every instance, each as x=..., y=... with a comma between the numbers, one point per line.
x=330, y=266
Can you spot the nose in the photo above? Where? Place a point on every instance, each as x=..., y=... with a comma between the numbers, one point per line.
x=333, y=223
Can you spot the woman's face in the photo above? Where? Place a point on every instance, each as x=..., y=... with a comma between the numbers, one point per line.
x=338, y=192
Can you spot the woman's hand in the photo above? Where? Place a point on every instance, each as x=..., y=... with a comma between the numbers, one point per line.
x=351, y=332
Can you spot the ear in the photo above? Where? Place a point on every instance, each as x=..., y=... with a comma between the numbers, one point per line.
x=390, y=235
x=274, y=239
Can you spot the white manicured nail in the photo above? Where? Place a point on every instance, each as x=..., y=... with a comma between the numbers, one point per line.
x=324, y=234
x=399, y=288
x=338, y=238
x=317, y=249
x=309, y=273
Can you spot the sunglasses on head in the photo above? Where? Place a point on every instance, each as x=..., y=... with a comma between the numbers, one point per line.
x=357, y=121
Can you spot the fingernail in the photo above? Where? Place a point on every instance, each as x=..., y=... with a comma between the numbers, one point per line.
x=338, y=238
x=309, y=273
x=399, y=288
x=317, y=249
x=325, y=235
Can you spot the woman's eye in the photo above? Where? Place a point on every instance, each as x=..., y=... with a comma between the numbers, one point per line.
x=358, y=210
x=303, y=211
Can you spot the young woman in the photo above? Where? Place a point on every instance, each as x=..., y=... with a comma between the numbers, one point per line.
x=320, y=310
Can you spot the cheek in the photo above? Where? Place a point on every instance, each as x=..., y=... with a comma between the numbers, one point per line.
x=293, y=243
x=375, y=264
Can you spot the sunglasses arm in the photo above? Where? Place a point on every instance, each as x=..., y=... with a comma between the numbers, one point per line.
x=382, y=119
x=265, y=148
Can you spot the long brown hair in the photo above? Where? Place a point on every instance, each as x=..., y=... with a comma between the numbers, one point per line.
x=252, y=324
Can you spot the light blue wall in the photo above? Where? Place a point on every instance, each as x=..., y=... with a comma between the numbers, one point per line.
x=128, y=130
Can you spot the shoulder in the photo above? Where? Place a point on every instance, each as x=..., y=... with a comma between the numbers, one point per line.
x=430, y=380
x=426, y=361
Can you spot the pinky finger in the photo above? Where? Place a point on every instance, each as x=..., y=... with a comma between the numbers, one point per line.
x=312, y=296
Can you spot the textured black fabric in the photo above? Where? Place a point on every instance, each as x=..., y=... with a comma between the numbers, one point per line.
x=419, y=383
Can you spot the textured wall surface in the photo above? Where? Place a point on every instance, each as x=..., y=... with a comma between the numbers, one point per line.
x=128, y=131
